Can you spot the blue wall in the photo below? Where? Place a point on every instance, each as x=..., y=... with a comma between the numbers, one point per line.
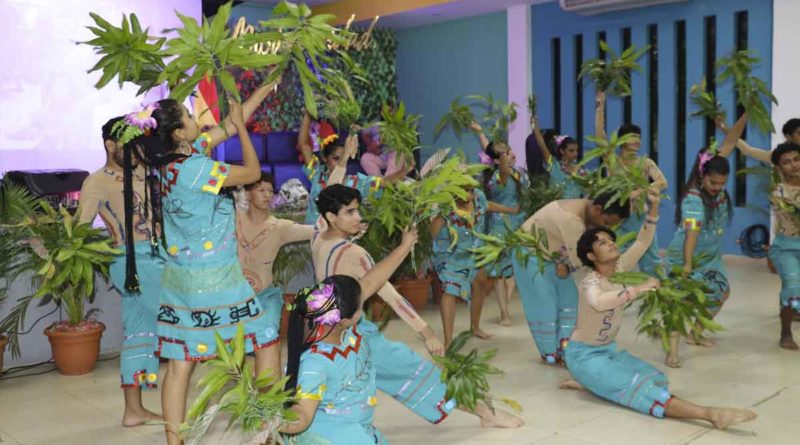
x=437, y=63
x=549, y=21
x=253, y=12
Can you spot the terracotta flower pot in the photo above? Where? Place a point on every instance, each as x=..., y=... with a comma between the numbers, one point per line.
x=287, y=298
x=75, y=349
x=415, y=290
x=3, y=343
x=379, y=309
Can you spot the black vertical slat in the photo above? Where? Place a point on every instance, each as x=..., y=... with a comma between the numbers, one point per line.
x=627, y=102
x=652, y=102
x=556, y=51
x=680, y=104
x=740, y=161
x=578, y=42
x=710, y=30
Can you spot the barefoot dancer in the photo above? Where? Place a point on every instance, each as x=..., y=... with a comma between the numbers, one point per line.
x=550, y=298
x=701, y=215
x=593, y=358
x=503, y=184
x=102, y=193
x=455, y=265
x=260, y=236
x=401, y=372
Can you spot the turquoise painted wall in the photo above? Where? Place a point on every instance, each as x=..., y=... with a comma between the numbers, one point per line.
x=437, y=63
x=253, y=12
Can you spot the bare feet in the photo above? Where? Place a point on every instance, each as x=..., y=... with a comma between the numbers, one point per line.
x=570, y=384
x=787, y=342
x=501, y=419
x=481, y=334
x=723, y=418
x=673, y=360
x=139, y=417
x=504, y=322
x=702, y=341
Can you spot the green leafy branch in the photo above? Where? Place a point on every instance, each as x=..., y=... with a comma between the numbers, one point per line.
x=537, y=195
x=532, y=104
x=467, y=375
x=707, y=104
x=613, y=76
x=398, y=131
x=499, y=114
x=679, y=305
x=256, y=405
x=128, y=53
x=751, y=92
x=519, y=242
x=458, y=117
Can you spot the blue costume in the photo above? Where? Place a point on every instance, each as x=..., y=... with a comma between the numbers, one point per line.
x=508, y=195
x=318, y=175
x=560, y=178
x=594, y=359
x=784, y=251
x=343, y=379
x=401, y=373
x=138, y=363
x=455, y=265
x=549, y=301
x=203, y=288
x=710, y=223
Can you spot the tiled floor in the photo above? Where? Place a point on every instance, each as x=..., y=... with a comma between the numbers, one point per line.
x=746, y=370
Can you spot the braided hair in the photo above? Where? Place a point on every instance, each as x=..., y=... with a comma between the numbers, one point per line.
x=335, y=298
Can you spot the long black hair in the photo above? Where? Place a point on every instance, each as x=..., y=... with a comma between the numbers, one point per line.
x=345, y=297
x=154, y=151
x=701, y=168
x=491, y=151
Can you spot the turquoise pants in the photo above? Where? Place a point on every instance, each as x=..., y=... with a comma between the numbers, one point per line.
x=550, y=304
x=138, y=362
x=407, y=377
x=785, y=255
x=619, y=377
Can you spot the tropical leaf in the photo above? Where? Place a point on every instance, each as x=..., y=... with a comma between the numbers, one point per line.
x=613, y=75
x=707, y=104
x=498, y=114
x=751, y=92
x=458, y=117
x=398, y=131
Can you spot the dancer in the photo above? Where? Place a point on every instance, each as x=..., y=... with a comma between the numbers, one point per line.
x=334, y=367
x=401, y=373
x=102, y=193
x=650, y=262
x=550, y=298
x=784, y=250
x=593, y=358
x=331, y=168
x=563, y=165
x=260, y=236
x=702, y=214
x=454, y=263
x=503, y=184
x=203, y=288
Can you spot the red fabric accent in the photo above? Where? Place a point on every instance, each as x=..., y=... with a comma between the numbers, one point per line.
x=212, y=182
x=190, y=358
x=208, y=90
x=439, y=408
x=325, y=130
x=344, y=353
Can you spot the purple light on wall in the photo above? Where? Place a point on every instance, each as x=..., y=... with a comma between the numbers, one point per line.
x=50, y=113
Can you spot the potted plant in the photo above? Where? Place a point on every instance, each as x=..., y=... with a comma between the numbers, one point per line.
x=65, y=256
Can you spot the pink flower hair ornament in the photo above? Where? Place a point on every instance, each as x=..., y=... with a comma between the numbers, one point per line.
x=485, y=159
x=319, y=300
x=560, y=138
x=135, y=124
x=703, y=159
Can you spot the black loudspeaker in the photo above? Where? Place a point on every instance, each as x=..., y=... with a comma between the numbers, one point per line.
x=58, y=187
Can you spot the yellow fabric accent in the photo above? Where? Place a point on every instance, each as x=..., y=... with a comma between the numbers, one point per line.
x=692, y=224
x=311, y=396
x=208, y=245
x=201, y=348
x=220, y=179
x=173, y=250
x=372, y=401
x=152, y=377
x=376, y=185
x=328, y=140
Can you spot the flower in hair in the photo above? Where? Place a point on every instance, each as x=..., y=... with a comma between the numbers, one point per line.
x=703, y=160
x=319, y=297
x=560, y=138
x=329, y=318
x=143, y=119
x=485, y=159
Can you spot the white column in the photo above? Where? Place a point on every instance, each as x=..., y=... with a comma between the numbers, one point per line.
x=785, y=65
x=519, y=75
